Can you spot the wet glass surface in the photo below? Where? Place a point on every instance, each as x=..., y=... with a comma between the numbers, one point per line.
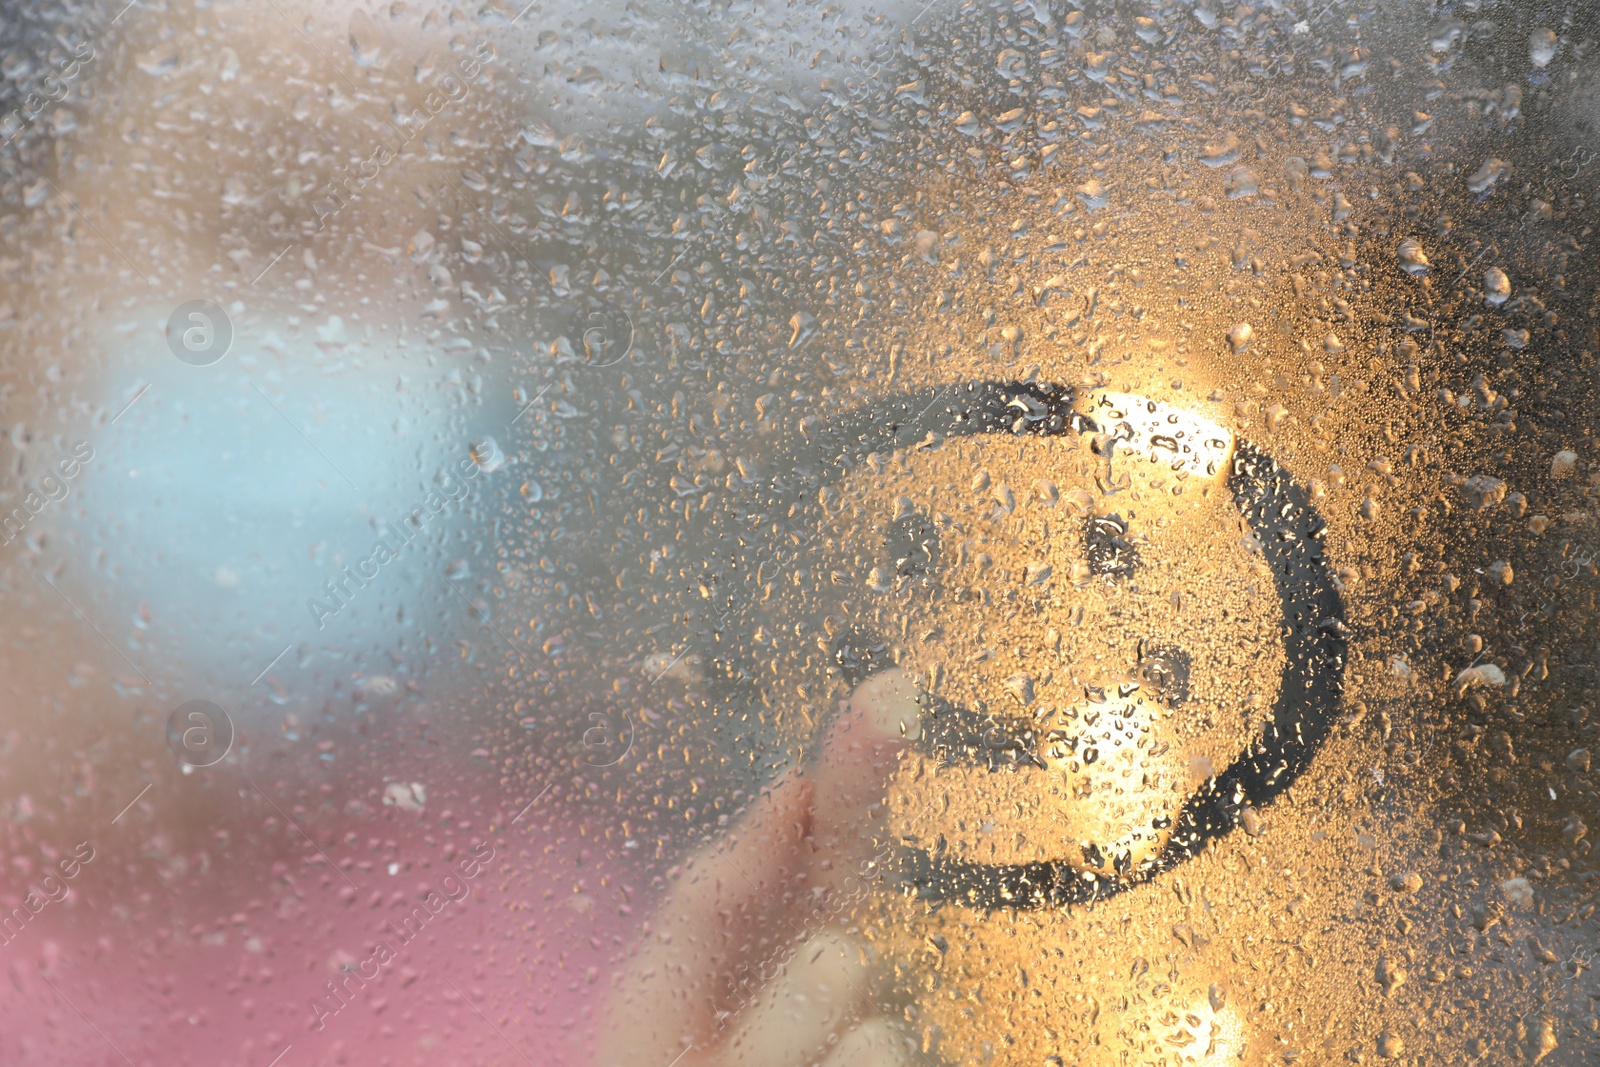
x=674, y=534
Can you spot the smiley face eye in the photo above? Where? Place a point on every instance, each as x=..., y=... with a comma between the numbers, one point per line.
x=1107, y=547
x=912, y=544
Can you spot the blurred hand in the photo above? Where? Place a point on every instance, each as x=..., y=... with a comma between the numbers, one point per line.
x=747, y=962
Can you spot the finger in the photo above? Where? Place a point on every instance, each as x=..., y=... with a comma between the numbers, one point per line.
x=738, y=894
x=872, y=1044
x=860, y=752
x=815, y=997
x=688, y=967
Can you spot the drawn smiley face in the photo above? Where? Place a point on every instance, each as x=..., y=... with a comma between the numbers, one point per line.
x=1119, y=623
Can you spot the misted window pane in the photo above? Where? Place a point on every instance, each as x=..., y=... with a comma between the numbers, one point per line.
x=699, y=534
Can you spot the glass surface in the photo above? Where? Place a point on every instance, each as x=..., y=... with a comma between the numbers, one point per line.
x=677, y=533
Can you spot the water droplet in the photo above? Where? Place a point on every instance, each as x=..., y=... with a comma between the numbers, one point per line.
x=1496, y=286
x=160, y=62
x=1483, y=674
x=410, y=797
x=1483, y=491
x=1021, y=687
x=1412, y=258
x=1240, y=336
x=487, y=455
x=364, y=39
x=1542, y=1038
x=1491, y=171
x=1542, y=47
x=1445, y=34
x=1242, y=182
x=1407, y=882
x=1093, y=194
x=1222, y=151
x=1518, y=892
x=1056, y=283
x=1391, y=975
x=802, y=324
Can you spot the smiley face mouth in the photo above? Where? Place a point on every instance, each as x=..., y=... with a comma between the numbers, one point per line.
x=1098, y=781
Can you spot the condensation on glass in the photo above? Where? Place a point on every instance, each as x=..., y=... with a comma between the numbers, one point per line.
x=678, y=534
